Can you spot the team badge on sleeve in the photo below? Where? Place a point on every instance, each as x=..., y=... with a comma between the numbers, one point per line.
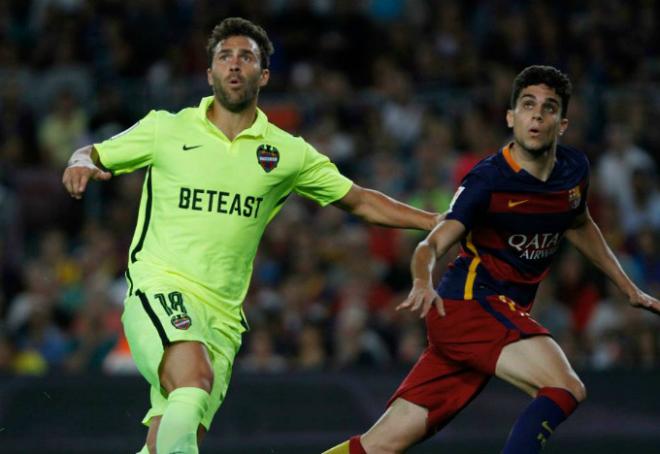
x=574, y=197
x=181, y=321
x=268, y=157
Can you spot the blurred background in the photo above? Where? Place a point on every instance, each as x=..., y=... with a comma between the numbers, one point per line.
x=405, y=96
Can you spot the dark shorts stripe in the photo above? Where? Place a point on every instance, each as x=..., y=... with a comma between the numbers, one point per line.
x=154, y=319
x=130, y=283
x=499, y=317
x=147, y=218
x=282, y=200
x=244, y=322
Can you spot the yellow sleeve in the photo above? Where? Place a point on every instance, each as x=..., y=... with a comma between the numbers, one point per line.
x=319, y=179
x=131, y=149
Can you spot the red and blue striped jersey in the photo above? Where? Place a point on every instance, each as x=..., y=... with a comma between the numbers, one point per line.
x=514, y=224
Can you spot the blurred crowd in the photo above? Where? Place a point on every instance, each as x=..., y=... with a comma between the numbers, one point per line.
x=404, y=95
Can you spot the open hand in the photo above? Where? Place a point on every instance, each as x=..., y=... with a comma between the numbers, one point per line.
x=77, y=175
x=422, y=296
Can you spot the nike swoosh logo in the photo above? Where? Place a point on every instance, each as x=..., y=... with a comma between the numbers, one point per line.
x=512, y=204
x=186, y=148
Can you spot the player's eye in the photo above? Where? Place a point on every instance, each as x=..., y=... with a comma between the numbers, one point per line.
x=528, y=104
x=550, y=108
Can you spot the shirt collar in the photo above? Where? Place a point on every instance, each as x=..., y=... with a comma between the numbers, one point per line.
x=257, y=129
x=506, y=153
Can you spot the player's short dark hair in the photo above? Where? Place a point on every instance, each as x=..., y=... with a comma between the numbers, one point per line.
x=237, y=26
x=547, y=75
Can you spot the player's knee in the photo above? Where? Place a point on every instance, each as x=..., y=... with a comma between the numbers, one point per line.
x=205, y=380
x=202, y=378
x=574, y=386
x=186, y=364
x=577, y=389
x=194, y=376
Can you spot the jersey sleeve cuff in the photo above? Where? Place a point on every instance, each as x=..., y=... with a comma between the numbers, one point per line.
x=348, y=184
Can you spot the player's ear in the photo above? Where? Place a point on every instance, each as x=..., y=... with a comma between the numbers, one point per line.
x=509, y=118
x=563, y=125
x=209, y=77
x=265, y=77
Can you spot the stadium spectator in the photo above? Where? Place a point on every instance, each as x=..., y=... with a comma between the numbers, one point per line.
x=103, y=53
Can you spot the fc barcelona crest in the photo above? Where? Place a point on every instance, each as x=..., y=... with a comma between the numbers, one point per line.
x=574, y=197
x=268, y=157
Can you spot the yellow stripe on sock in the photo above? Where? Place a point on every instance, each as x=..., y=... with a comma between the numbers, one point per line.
x=472, y=270
x=339, y=449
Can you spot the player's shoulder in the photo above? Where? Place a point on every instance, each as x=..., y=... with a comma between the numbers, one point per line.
x=284, y=139
x=576, y=161
x=187, y=113
x=486, y=171
x=572, y=155
x=487, y=164
x=161, y=116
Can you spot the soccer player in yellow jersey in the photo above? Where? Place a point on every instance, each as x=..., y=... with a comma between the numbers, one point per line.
x=216, y=175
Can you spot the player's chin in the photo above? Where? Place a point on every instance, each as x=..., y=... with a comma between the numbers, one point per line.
x=537, y=147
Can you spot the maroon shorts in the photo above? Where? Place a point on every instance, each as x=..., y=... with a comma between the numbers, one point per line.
x=462, y=354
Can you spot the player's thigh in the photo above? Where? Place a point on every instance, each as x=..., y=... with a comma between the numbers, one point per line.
x=402, y=425
x=159, y=317
x=538, y=362
x=197, y=371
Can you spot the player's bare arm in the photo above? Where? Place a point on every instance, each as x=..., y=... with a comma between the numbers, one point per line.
x=84, y=165
x=377, y=208
x=435, y=245
x=588, y=239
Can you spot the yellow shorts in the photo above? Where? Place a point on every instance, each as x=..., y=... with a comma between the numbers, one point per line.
x=158, y=315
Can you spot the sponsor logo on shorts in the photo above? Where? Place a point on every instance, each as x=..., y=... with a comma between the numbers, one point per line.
x=181, y=321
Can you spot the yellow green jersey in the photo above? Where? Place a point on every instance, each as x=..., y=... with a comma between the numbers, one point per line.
x=206, y=200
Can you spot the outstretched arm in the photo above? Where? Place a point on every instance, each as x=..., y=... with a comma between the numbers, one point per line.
x=377, y=208
x=587, y=238
x=434, y=246
x=84, y=165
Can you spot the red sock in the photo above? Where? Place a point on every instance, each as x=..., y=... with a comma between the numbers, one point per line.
x=561, y=397
x=355, y=447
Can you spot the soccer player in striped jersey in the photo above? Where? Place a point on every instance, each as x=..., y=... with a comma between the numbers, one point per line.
x=509, y=214
x=217, y=174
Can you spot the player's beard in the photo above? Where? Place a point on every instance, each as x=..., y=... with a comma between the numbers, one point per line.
x=237, y=101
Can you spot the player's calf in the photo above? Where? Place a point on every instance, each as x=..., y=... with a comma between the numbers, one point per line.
x=401, y=426
x=351, y=446
x=187, y=376
x=539, y=367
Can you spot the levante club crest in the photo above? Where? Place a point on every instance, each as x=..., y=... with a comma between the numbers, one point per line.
x=181, y=321
x=268, y=157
